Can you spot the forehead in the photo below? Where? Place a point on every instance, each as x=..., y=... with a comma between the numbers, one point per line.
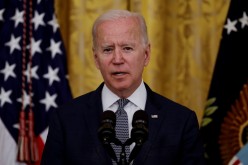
x=122, y=27
x=118, y=21
x=119, y=32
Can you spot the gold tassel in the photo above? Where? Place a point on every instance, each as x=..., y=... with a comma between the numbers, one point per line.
x=23, y=154
x=33, y=148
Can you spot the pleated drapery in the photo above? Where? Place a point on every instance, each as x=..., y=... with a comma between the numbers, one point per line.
x=184, y=36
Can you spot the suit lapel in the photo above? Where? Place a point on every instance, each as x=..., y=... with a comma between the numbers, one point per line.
x=93, y=117
x=93, y=113
x=155, y=117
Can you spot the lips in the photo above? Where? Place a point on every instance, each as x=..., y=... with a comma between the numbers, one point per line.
x=119, y=73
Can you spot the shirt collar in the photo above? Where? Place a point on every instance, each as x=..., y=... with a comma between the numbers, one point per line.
x=138, y=97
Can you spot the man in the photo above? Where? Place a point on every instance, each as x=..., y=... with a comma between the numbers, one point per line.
x=121, y=51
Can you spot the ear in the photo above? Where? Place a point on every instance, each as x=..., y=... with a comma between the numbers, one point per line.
x=147, y=54
x=96, y=59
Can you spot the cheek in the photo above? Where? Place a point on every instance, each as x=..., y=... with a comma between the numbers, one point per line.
x=102, y=65
x=100, y=62
x=142, y=61
x=138, y=66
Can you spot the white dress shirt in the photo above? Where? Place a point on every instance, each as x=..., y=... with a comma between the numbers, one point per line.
x=136, y=102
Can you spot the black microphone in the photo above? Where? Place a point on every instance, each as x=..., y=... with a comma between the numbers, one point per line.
x=106, y=132
x=139, y=133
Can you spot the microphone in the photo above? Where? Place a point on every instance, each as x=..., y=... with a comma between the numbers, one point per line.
x=106, y=132
x=139, y=133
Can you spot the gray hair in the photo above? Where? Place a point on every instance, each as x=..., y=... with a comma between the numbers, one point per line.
x=117, y=14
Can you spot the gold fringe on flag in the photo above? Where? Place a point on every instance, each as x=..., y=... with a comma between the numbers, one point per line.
x=27, y=142
x=22, y=140
x=33, y=148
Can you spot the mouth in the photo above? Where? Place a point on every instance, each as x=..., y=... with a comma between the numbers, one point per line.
x=119, y=73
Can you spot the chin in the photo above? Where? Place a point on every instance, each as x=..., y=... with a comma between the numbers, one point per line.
x=121, y=87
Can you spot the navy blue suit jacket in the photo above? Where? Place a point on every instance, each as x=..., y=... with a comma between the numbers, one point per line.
x=173, y=136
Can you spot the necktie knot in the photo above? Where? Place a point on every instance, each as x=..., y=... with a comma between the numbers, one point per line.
x=122, y=103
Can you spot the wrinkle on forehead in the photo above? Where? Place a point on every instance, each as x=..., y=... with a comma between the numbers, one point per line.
x=122, y=31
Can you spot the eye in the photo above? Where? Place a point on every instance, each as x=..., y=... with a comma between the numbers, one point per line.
x=127, y=49
x=107, y=50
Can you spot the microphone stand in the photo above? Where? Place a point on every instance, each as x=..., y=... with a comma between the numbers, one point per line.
x=106, y=143
x=136, y=149
x=123, y=157
x=134, y=152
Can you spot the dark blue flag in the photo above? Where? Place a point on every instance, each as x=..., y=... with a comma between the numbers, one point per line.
x=225, y=123
x=33, y=73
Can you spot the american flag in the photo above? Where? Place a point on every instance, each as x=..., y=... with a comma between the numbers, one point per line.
x=30, y=74
x=225, y=122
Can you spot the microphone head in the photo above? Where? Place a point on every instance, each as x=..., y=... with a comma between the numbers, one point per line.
x=140, y=116
x=139, y=132
x=108, y=117
x=106, y=132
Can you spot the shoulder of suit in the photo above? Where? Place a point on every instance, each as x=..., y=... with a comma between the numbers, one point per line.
x=169, y=104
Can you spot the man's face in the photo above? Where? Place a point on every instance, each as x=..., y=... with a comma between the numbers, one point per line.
x=121, y=55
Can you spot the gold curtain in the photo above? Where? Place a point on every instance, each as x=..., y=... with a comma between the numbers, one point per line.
x=184, y=35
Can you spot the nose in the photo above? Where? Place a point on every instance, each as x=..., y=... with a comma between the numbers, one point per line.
x=118, y=56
